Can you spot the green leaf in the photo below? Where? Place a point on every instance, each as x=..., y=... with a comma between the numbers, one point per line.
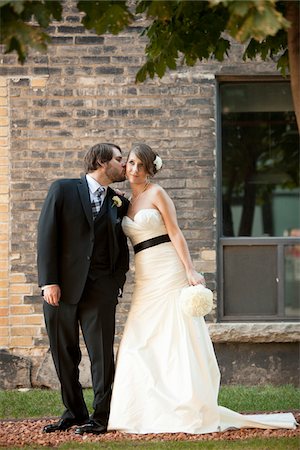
x=283, y=63
x=18, y=6
x=105, y=16
x=254, y=19
x=18, y=36
x=161, y=9
x=160, y=67
x=273, y=47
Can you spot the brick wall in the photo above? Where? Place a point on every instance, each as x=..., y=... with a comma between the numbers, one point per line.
x=55, y=106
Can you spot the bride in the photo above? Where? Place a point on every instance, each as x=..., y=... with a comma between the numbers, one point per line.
x=167, y=377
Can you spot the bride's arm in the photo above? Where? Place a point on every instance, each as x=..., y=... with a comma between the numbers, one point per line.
x=167, y=209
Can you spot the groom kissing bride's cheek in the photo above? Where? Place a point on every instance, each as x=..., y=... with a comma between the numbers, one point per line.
x=167, y=377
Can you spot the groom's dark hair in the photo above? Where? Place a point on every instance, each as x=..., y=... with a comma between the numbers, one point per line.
x=99, y=153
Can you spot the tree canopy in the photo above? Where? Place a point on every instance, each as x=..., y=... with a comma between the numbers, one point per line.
x=178, y=31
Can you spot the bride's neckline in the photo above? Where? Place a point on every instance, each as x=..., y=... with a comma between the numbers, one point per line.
x=143, y=209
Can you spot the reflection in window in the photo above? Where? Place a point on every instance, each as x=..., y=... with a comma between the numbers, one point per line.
x=260, y=160
x=292, y=278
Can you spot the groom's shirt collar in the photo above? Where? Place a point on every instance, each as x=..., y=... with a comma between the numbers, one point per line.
x=93, y=186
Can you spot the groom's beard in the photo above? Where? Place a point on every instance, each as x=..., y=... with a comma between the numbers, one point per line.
x=114, y=174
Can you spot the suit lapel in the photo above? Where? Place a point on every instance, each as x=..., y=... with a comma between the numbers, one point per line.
x=84, y=194
x=112, y=212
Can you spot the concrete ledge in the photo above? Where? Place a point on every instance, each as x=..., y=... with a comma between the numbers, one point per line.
x=249, y=364
x=254, y=332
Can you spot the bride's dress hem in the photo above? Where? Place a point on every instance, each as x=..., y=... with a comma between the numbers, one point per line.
x=167, y=377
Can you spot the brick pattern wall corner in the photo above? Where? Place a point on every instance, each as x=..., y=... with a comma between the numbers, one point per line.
x=4, y=214
x=83, y=91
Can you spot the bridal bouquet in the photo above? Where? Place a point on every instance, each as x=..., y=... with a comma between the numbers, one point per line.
x=196, y=301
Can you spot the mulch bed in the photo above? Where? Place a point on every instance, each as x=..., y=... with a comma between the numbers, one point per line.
x=19, y=433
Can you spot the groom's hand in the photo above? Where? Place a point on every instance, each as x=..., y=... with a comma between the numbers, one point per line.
x=52, y=294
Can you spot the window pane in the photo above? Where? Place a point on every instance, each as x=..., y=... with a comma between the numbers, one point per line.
x=250, y=286
x=260, y=160
x=292, y=280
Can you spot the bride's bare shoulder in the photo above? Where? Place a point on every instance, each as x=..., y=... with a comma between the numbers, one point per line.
x=156, y=188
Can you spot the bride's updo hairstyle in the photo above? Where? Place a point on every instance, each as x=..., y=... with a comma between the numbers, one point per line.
x=147, y=156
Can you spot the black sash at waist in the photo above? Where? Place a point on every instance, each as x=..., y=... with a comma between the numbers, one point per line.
x=151, y=242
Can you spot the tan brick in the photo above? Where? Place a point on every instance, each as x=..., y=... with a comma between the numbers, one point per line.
x=4, y=143
x=4, y=198
x=4, y=302
x=208, y=266
x=16, y=320
x=20, y=289
x=4, y=331
x=3, y=81
x=4, y=153
x=3, y=131
x=36, y=319
x=208, y=255
x=4, y=342
x=38, y=82
x=21, y=309
x=3, y=112
x=3, y=209
x=4, y=261
x=4, y=321
x=4, y=228
x=3, y=292
x=3, y=179
x=4, y=166
x=3, y=277
x=3, y=101
x=17, y=278
x=16, y=299
x=3, y=252
x=3, y=159
x=24, y=331
x=3, y=311
x=3, y=92
x=4, y=121
x=21, y=341
x=4, y=189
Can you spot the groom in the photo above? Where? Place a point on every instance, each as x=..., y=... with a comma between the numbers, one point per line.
x=82, y=261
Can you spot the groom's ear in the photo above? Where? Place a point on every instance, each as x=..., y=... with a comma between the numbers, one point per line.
x=100, y=163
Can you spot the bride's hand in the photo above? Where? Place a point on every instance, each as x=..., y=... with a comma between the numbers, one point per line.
x=120, y=192
x=195, y=277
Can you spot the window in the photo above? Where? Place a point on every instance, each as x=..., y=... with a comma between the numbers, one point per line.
x=259, y=229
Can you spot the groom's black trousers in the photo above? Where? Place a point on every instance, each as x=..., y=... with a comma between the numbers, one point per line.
x=95, y=314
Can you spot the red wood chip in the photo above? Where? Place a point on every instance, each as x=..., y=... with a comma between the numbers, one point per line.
x=19, y=433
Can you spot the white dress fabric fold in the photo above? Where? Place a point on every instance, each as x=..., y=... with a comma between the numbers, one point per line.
x=167, y=377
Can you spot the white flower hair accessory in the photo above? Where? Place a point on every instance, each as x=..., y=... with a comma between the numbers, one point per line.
x=116, y=201
x=196, y=301
x=158, y=163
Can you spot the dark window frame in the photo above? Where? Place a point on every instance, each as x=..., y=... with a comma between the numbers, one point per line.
x=279, y=242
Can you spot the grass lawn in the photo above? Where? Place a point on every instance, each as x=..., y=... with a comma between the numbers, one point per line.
x=47, y=403
x=248, y=444
x=40, y=403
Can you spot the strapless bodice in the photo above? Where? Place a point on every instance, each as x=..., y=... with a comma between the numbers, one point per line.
x=146, y=224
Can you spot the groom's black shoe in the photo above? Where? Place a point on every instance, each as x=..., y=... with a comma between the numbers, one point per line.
x=91, y=427
x=62, y=425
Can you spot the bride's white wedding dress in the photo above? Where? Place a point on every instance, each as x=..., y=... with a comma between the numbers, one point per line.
x=167, y=377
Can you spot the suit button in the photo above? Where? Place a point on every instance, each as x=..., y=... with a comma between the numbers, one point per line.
x=88, y=258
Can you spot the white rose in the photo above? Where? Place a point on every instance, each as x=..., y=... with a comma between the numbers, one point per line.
x=116, y=201
x=158, y=162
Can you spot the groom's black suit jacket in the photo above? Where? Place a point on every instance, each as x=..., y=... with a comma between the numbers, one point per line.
x=66, y=237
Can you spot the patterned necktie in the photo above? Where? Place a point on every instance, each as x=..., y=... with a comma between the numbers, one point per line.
x=96, y=204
